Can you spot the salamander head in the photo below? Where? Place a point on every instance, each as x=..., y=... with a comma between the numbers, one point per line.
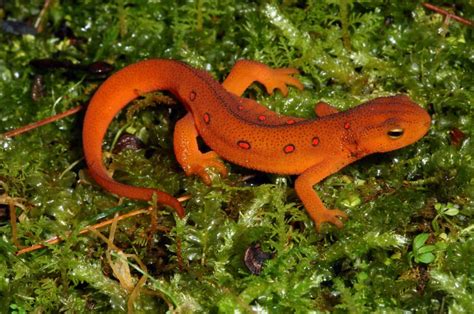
x=389, y=123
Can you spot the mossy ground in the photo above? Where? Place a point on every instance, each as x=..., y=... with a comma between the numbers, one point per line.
x=408, y=244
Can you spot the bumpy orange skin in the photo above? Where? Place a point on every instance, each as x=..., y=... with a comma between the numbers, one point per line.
x=246, y=133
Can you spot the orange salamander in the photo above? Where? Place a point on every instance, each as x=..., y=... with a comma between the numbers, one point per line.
x=248, y=134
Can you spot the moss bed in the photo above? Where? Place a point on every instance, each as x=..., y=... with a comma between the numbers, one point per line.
x=408, y=245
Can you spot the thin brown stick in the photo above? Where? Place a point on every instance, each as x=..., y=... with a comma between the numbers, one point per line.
x=447, y=14
x=179, y=256
x=37, y=124
x=13, y=203
x=58, y=239
x=39, y=20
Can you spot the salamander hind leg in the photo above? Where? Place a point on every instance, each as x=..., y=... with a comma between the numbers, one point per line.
x=245, y=72
x=313, y=204
x=187, y=152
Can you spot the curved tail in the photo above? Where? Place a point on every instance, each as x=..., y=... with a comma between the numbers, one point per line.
x=114, y=94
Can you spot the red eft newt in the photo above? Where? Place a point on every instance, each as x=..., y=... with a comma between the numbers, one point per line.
x=248, y=134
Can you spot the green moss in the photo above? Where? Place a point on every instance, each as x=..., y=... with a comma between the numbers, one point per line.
x=347, y=52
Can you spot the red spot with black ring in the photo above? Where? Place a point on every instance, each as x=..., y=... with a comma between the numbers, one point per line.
x=243, y=144
x=289, y=148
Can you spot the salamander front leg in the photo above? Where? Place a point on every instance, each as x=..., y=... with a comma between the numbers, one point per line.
x=188, y=154
x=315, y=208
x=245, y=72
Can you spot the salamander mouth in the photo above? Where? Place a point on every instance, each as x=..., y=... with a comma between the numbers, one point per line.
x=395, y=133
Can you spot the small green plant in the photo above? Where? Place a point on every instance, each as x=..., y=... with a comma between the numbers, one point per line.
x=15, y=309
x=443, y=212
x=422, y=253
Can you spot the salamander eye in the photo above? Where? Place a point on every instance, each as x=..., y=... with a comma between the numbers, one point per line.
x=395, y=133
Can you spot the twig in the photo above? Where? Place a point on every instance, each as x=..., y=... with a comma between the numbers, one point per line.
x=448, y=14
x=13, y=203
x=57, y=239
x=37, y=124
x=39, y=20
